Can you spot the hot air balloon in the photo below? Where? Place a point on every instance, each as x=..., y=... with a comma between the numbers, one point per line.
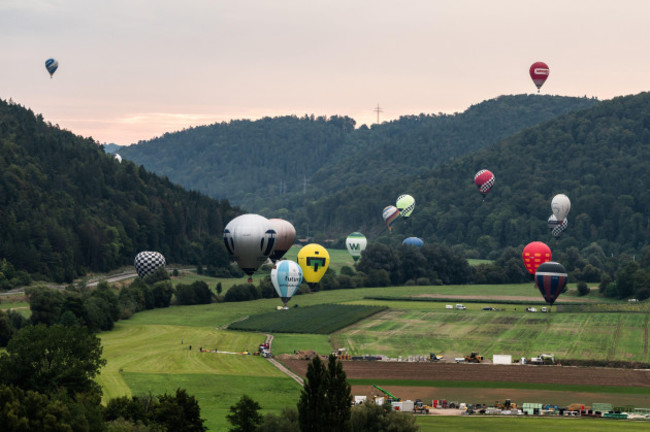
x=484, y=179
x=557, y=227
x=413, y=241
x=51, y=65
x=314, y=261
x=405, y=205
x=118, y=158
x=534, y=254
x=390, y=215
x=561, y=205
x=539, y=73
x=250, y=239
x=286, y=277
x=286, y=235
x=147, y=262
x=356, y=243
x=550, y=279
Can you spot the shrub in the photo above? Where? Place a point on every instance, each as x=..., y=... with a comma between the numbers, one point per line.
x=583, y=289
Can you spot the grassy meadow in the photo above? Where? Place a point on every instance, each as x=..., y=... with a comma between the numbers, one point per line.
x=150, y=351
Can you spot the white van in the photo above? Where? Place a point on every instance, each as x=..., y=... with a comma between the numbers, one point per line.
x=460, y=307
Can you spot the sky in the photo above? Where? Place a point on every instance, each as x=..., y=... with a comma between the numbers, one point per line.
x=132, y=70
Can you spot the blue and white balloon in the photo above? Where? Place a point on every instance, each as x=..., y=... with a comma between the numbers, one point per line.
x=286, y=277
x=51, y=65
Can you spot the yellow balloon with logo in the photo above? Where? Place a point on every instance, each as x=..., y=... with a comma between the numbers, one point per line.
x=314, y=261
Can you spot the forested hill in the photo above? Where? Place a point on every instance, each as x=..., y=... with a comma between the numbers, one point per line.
x=66, y=207
x=598, y=157
x=266, y=163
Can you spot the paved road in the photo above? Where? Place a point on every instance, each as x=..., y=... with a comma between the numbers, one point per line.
x=277, y=364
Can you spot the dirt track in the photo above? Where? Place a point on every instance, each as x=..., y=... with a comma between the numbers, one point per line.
x=485, y=372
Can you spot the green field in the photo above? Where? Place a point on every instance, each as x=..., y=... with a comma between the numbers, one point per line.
x=319, y=319
x=604, y=336
x=496, y=424
x=145, y=354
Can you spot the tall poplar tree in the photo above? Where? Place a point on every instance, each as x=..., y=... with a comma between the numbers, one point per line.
x=326, y=398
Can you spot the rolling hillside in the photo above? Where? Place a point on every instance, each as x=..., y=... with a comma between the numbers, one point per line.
x=598, y=157
x=270, y=163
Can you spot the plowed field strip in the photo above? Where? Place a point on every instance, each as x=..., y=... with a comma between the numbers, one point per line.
x=562, y=375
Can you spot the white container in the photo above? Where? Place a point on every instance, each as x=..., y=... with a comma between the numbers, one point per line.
x=502, y=359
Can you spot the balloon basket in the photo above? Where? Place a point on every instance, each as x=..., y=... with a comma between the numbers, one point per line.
x=250, y=280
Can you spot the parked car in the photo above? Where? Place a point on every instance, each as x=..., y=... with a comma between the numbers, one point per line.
x=460, y=307
x=490, y=308
x=531, y=309
x=449, y=307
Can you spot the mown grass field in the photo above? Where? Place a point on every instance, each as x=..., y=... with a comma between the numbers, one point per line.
x=496, y=424
x=143, y=358
x=405, y=328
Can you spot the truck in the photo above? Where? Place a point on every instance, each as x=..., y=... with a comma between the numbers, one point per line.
x=543, y=359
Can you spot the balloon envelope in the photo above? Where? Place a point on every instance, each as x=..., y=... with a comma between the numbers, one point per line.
x=561, y=205
x=413, y=241
x=250, y=239
x=147, y=262
x=390, y=215
x=51, y=65
x=405, y=205
x=550, y=279
x=556, y=226
x=356, y=243
x=285, y=236
x=286, y=277
x=539, y=72
x=484, y=179
x=534, y=254
x=314, y=261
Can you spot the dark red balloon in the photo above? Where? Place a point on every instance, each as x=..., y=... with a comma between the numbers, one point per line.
x=539, y=73
x=484, y=179
x=534, y=254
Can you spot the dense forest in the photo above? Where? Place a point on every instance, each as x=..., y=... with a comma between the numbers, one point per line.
x=67, y=208
x=598, y=157
x=276, y=163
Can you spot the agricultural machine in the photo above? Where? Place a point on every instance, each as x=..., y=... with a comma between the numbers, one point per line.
x=473, y=358
x=506, y=405
x=420, y=408
x=389, y=395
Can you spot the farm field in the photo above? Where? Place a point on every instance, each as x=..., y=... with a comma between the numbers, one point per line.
x=452, y=333
x=145, y=353
x=318, y=319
